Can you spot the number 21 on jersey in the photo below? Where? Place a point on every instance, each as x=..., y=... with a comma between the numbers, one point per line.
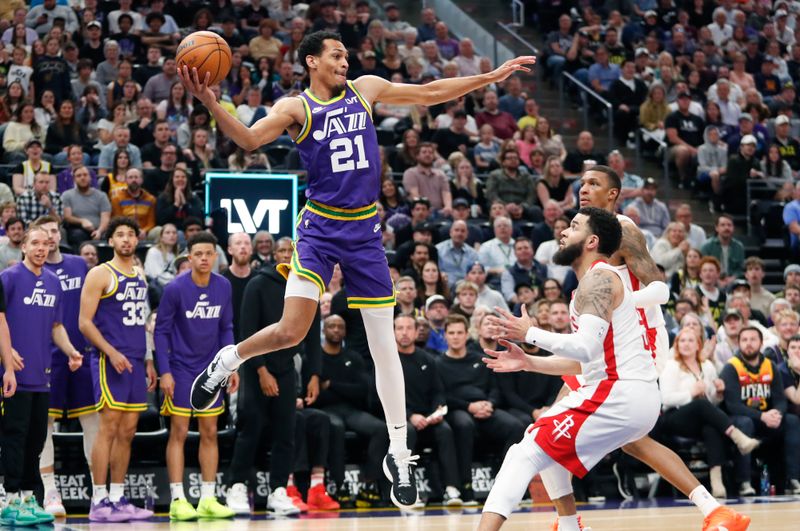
x=342, y=154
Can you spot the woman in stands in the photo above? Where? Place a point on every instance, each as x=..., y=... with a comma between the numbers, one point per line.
x=654, y=111
x=432, y=282
x=774, y=167
x=64, y=132
x=11, y=100
x=198, y=118
x=175, y=109
x=118, y=115
x=690, y=392
x=200, y=155
x=115, y=180
x=45, y=111
x=177, y=202
x=554, y=185
x=739, y=75
x=392, y=199
x=548, y=140
x=670, y=250
x=19, y=131
x=90, y=113
x=466, y=186
x=687, y=276
x=115, y=88
x=158, y=262
x=405, y=156
x=526, y=143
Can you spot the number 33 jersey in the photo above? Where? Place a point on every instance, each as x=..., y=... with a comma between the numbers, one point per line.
x=122, y=312
x=339, y=149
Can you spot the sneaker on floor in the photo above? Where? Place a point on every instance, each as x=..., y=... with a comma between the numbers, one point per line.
x=53, y=504
x=297, y=498
x=725, y=519
x=210, y=507
x=105, y=511
x=580, y=525
x=368, y=496
x=15, y=514
x=621, y=486
x=181, y=510
x=319, y=500
x=452, y=498
x=468, y=496
x=746, y=489
x=37, y=510
x=397, y=468
x=281, y=504
x=237, y=500
x=344, y=498
x=794, y=487
x=135, y=513
x=209, y=383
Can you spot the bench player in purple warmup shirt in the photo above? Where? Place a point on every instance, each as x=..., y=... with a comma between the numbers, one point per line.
x=194, y=320
x=70, y=392
x=34, y=304
x=114, y=309
x=331, y=123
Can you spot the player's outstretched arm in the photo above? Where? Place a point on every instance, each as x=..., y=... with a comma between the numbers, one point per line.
x=375, y=88
x=514, y=359
x=264, y=131
x=633, y=248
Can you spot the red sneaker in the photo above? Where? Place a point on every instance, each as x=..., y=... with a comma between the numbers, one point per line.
x=580, y=525
x=297, y=500
x=725, y=519
x=318, y=499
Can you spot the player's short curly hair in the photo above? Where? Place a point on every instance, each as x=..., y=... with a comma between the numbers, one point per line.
x=606, y=227
x=313, y=44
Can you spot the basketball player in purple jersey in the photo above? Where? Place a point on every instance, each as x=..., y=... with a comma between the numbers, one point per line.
x=34, y=303
x=331, y=124
x=195, y=319
x=70, y=392
x=113, y=312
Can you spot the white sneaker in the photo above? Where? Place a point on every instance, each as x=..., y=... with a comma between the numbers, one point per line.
x=281, y=504
x=53, y=504
x=452, y=497
x=237, y=500
x=746, y=489
x=794, y=486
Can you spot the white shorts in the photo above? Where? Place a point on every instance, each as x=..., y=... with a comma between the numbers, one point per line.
x=582, y=428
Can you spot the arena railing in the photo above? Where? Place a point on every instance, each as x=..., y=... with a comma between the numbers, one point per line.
x=529, y=48
x=663, y=148
x=585, y=93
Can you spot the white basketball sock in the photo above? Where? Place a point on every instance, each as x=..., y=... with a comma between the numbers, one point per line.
x=116, y=491
x=47, y=459
x=99, y=493
x=207, y=489
x=378, y=323
x=704, y=500
x=176, y=491
x=49, y=481
x=568, y=523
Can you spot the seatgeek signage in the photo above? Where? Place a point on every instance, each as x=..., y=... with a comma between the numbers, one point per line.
x=254, y=201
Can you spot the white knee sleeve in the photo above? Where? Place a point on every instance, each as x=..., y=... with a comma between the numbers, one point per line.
x=90, y=424
x=48, y=457
x=301, y=287
x=557, y=481
x=379, y=324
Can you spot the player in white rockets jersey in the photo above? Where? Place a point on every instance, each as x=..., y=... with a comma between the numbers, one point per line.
x=600, y=187
x=619, y=400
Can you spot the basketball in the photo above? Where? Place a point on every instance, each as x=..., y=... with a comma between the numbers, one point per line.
x=207, y=52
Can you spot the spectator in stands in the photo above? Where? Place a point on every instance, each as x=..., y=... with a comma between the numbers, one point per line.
x=88, y=252
x=497, y=254
x=465, y=186
x=773, y=166
x=554, y=185
x=627, y=94
x=543, y=230
x=121, y=142
x=262, y=244
x=503, y=123
x=631, y=183
x=11, y=249
x=670, y=250
x=151, y=152
x=455, y=255
x=39, y=200
x=709, y=287
x=108, y=70
x=42, y=17
x=487, y=296
x=694, y=233
x=423, y=180
x=712, y=160
x=159, y=87
x=510, y=183
x=684, y=132
x=788, y=145
x=177, y=202
x=575, y=163
x=513, y=101
x=727, y=249
x=453, y=138
x=467, y=60
x=8, y=210
x=158, y=264
x=473, y=398
x=653, y=212
x=634, y=214
x=760, y=298
x=427, y=27
x=747, y=126
x=791, y=219
x=64, y=133
x=115, y=180
x=406, y=288
x=768, y=83
x=432, y=282
x=526, y=270
x=448, y=46
x=425, y=400
x=691, y=389
x=22, y=176
x=689, y=274
x=87, y=210
x=787, y=323
x=466, y=297
x=654, y=111
x=558, y=44
x=135, y=202
x=602, y=73
x=546, y=249
x=486, y=151
x=549, y=142
x=44, y=113
x=741, y=167
x=19, y=132
x=763, y=412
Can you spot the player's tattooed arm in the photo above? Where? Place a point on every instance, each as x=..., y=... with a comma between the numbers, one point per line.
x=598, y=294
x=633, y=248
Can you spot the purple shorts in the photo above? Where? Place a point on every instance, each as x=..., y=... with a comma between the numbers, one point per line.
x=350, y=237
x=71, y=393
x=121, y=392
x=180, y=405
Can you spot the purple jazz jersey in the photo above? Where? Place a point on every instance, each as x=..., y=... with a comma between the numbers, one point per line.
x=71, y=392
x=33, y=307
x=193, y=323
x=339, y=224
x=339, y=149
x=120, y=318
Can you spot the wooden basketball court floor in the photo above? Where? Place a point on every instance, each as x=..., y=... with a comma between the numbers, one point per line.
x=768, y=514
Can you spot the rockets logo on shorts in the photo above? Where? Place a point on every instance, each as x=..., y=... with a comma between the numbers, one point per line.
x=562, y=427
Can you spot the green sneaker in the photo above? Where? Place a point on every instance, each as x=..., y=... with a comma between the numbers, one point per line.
x=209, y=507
x=181, y=510
x=43, y=517
x=17, y=514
